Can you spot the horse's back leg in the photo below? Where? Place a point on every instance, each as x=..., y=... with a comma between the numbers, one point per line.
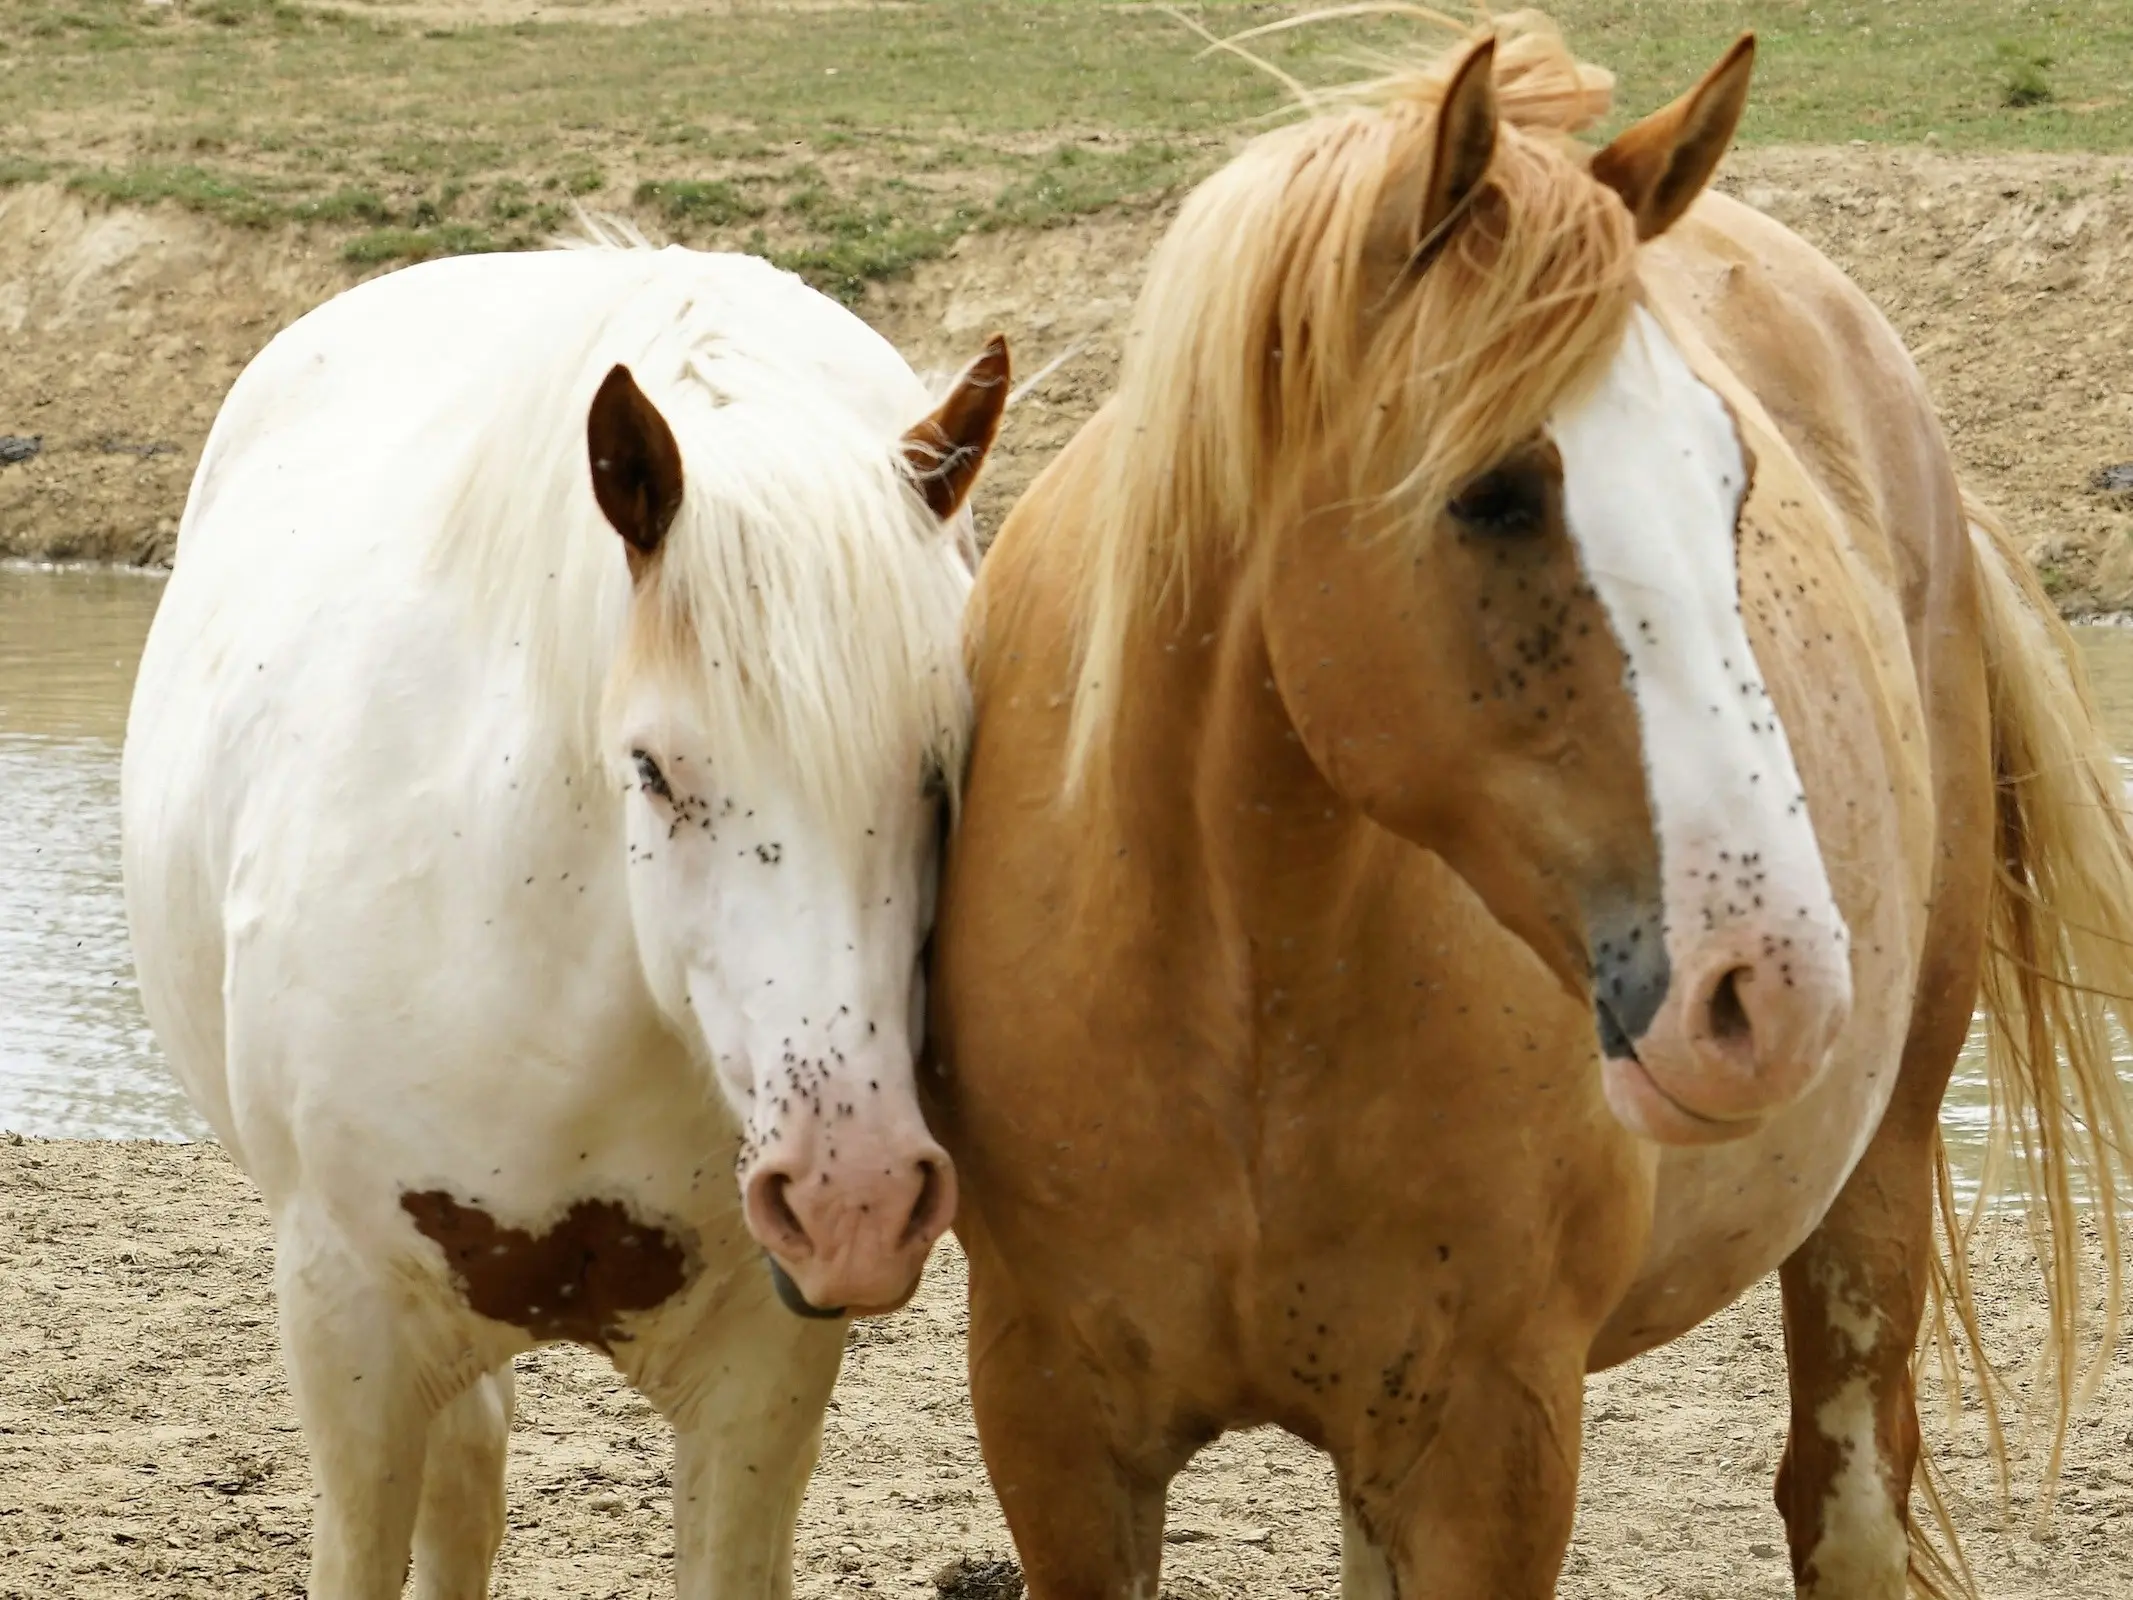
x=1853, y=1296
x=460, y=1526
x=1854, y=1293
x=745, y=1384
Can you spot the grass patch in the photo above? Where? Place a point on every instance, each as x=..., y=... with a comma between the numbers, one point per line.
x=239, y=13
x=344, y=205
x=716, y=202
x=859, y=140
x=2026, y=83
x=511, y=202
x=580, y=178
x=857, y=248
x=842, y=268
x=1073, y=180
x=217, y=195
x=381, y=245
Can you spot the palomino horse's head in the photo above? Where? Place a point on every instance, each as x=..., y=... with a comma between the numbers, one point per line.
x=788, y=713
x=1491, y=514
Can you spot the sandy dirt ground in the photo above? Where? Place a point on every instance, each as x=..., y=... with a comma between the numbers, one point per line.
x=148, y=1448
x=2005, y=274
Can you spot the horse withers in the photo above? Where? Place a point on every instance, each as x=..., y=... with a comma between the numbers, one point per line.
x=1502, y=756
x=531, y=803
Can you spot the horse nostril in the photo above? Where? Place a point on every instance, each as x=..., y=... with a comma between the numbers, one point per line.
x=770, y=1203
x=781, y=1206
x=1728, y=1017
x=922, y=1225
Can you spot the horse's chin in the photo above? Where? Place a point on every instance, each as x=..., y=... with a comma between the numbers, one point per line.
x=790, y=1297
x=793, y=1300
x=1643, y=1106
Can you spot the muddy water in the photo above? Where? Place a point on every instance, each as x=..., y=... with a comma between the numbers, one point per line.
x=76, y=1056
x=76, y=1059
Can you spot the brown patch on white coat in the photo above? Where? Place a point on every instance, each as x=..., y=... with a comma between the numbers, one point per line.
x=576, y=1279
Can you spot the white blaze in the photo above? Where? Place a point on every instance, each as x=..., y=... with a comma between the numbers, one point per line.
x=1653, y=480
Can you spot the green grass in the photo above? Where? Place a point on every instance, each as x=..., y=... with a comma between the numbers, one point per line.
x=417, y=244
x=344, y=205
x=853, y=142
x=2027, y=80
x=229, y=198
x=715, y=203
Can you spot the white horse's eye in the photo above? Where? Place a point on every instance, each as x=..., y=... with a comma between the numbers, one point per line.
x=648, y=773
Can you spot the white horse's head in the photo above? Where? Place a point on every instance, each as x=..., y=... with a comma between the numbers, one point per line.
x=788, y=713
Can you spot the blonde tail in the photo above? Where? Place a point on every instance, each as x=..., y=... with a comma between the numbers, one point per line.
x=2059, y=967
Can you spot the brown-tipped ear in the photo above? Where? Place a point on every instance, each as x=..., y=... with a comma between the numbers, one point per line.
x=945, y=451
x=636, y=465
x=1420, y=209
x=1660, y=165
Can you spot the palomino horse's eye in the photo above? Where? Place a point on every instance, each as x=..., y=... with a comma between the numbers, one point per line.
x=648, y=773
x=1509, y=503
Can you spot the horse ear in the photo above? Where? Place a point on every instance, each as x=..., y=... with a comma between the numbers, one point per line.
x=1661, y=164
x=1420, y=207
x=945, y=450
x=636, y=465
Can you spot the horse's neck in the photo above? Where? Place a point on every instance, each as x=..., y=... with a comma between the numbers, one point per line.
x=1213, y=771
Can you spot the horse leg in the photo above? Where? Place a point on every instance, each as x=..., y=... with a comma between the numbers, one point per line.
x=1476, y=1502
x=1365, y=1572
x=460, y=1525
x=1853, y=1294
x=745, y=1385
x=1086, y=1524
x=365, y=1397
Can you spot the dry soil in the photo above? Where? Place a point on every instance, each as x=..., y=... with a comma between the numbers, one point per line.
x=148, y=1449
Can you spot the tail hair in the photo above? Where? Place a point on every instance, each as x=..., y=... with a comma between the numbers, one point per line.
x=2058, y=974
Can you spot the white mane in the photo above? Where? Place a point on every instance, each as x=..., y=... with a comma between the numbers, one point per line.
x=805, y=600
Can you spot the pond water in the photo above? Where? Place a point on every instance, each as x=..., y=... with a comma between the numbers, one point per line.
x=76, y=1057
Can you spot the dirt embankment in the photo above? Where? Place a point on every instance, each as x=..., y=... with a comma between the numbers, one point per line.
x=2005, y=273
x=149, y=1451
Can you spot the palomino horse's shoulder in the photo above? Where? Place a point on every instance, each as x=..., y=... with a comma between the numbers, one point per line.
x=1811, y=367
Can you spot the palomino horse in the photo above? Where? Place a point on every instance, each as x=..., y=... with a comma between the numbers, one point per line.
x=531, y=804
x=1534, y=877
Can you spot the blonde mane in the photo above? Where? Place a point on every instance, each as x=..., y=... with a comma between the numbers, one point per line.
x=1269, y=328
x=805, y=605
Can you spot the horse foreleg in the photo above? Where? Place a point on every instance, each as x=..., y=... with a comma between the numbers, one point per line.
x=1478, y=1507
x=1087, y=1525
x=1366, y=1574
x=460, y=1526
x=1854, y=1293
x=745, y=1384
x=366, y=1393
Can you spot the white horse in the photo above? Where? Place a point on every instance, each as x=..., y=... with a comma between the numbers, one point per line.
x=498, y=884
